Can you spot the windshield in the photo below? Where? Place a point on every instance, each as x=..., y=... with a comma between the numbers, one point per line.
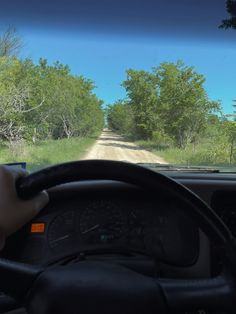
x=150, y=82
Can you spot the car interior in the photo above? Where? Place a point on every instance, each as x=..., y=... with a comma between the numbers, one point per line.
x=97, y=240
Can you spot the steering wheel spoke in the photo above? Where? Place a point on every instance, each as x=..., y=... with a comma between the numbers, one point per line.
x=17, y=278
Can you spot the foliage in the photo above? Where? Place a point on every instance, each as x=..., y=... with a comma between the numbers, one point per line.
x=216, y=147
x=45, y=101
x=141, y=88
x=10, y=42
x=169, y=102
x=231, y=9
x=40, y=104
x=184, y=106
x=230, y=131
x=167, y=111
x=119, y=117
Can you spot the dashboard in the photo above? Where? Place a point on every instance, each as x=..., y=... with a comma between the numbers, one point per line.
x=123, y=221
x=119, y=223
x=109, y=224
x=115, y=221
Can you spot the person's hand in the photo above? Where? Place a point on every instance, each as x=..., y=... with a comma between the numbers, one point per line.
x=14, y=212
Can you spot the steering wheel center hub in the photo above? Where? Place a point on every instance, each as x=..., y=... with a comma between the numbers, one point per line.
x=95, y=287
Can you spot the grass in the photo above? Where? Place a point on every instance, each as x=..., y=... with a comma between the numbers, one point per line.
x=48, y=152
x=203, y=154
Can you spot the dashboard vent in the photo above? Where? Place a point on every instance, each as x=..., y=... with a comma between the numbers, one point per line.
x=224, y=203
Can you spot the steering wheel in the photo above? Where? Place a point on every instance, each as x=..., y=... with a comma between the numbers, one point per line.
x=90, y=287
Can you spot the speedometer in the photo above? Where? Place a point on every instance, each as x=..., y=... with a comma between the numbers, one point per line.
x=102, y=222
x=61, y=231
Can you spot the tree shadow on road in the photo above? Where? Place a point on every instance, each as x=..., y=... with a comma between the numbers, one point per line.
x=113, y=138
x=126, y=146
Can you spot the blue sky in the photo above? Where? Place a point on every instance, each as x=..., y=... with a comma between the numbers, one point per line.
x=104, y=59
x=101, y=39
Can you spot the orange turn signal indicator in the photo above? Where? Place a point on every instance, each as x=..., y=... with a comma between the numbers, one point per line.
x=37, y=227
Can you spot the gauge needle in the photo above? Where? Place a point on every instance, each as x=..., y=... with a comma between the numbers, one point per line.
x=91, y=229
x=61, y=238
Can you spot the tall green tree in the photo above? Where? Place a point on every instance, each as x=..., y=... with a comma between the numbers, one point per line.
x=183, y=101
x=168, y=103
x=142, y=92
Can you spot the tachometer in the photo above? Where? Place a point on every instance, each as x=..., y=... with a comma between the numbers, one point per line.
x=102, y=222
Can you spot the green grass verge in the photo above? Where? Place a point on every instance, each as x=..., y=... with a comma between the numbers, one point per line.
x=47, y=152
x=203, y=154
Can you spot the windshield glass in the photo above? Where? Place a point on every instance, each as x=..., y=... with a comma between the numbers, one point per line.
x=149, y=82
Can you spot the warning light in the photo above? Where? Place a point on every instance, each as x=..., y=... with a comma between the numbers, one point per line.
x=37, y=228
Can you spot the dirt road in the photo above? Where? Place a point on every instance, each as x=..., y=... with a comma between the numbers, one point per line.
x=112, y=146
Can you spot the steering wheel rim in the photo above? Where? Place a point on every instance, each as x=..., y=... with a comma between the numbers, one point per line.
x=172, y=295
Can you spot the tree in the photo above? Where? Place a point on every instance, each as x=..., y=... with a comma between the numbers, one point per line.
x=71, y=108
x=43, y=101
x=10, y=42
x=183, y=101
x=231, y=9
x=142, y=92
x=168, y=103
x=15, y=100
x=120, y=117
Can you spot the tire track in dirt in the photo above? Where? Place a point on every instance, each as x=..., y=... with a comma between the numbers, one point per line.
x=114, y=147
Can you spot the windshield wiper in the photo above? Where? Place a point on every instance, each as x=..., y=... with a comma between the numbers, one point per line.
x=164, y=167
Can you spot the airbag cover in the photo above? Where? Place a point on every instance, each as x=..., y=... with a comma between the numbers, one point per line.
x=93, y=287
